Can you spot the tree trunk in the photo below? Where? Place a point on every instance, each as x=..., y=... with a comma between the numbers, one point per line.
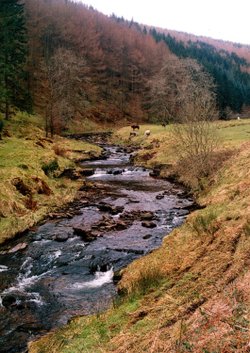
x=7, y=109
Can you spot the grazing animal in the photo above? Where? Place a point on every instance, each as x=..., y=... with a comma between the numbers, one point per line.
x=133, y=134
x=147, y=133
x=238, y=118
x=163, y=124
x=134, y=127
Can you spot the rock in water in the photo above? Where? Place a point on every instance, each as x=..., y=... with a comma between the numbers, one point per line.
x=18, y=247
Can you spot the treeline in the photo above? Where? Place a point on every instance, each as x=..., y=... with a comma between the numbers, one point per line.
x=69, y=62
x=228, y=70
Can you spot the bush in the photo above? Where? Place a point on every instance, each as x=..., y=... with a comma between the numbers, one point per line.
x=60, y=151
x=196, y=171
x=206, y=223
x=50, y=167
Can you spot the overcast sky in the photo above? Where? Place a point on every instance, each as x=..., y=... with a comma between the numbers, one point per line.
x=219, y=19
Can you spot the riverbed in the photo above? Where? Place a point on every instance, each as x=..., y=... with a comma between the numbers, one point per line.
x=68, y=265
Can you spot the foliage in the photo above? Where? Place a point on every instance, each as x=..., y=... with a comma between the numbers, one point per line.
x=227, y=68
x=13, y=57
x=205, y=222
x=50, y=167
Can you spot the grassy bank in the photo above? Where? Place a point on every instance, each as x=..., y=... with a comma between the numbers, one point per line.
x=192, y=294
x=30, y=169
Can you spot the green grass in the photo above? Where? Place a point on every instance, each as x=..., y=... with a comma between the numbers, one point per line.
x=234, y=132
x=24, y=155
x=89, y=334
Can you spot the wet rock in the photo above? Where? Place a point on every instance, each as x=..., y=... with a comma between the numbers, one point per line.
x=148, y=224
x=103, y=207
x=61, y=237
x=86, y=235
x=155, y=173
x=104, y=154
x=133, y=201
x=8, y=300
x=20, y=246
x=147, y=216
x=70, y=173
x=119, y=149
x=120, y=225
x=147, y=236
x=117, y=171
x=87, y=172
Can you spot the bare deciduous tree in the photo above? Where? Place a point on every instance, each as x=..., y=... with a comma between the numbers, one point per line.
x=184, y=93
x=194, y=135
x=165, y=90
x=66, y=81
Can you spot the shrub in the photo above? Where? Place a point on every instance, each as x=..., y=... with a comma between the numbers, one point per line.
x=149, y=277
x=246, y=228
x=196, y=171
x=206, y=222
x=50, y=167
x=60, y=151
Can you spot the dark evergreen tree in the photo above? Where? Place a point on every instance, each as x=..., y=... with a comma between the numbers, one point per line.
x=232, y=83
x=13, y=56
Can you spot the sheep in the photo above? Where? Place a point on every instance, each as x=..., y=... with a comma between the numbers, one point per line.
x=147, y=133
x=134, y=127
x=238, y=118
x=133, y=134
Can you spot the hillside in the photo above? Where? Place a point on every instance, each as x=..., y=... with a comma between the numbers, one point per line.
x=80, y=69
x=242, y=50
x=120, y=61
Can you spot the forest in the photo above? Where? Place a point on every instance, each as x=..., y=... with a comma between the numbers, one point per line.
x=71, y=64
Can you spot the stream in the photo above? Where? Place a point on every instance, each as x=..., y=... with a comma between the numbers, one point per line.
x=67, y=265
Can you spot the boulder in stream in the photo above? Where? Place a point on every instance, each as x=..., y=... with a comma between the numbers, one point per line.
x=147, y=216
x=148, y=224
x=104, y=207
x=86, y=235
x=87, y=172
x=20, y=246
x=61, y=237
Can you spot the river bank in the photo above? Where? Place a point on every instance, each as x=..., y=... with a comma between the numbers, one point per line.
x=38, y=174
x=192, y=294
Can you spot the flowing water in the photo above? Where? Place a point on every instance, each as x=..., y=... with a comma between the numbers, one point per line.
x=67, y=267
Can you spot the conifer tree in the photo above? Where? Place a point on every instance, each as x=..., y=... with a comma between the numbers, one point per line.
x=13, y=55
